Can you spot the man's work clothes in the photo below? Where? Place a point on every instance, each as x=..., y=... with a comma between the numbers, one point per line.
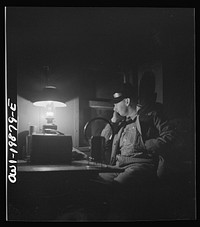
x=140, y=139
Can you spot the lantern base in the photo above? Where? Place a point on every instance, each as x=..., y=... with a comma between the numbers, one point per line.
x=49, y=129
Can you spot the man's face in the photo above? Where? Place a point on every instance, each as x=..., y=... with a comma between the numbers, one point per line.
x=121, y=108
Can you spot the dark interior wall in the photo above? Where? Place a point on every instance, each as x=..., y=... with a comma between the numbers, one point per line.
x=178, y=59
x=174, y=47
x=179, y=84
x=83, y=44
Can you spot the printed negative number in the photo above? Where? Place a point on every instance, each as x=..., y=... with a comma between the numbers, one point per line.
x=13, y=106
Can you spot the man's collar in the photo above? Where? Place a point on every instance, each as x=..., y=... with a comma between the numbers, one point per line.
x=132, y=115
x=131, y=118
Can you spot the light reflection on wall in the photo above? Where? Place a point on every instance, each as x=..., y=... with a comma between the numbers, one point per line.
x=66, y=118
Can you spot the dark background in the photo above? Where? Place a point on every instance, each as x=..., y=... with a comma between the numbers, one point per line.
x=89, y=46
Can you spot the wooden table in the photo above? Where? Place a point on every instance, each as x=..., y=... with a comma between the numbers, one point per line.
x=41, y=191
x=74, y=167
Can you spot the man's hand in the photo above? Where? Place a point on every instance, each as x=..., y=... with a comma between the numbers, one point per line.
x=116, y=117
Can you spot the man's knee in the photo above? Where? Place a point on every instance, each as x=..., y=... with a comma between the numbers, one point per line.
x=109, y=177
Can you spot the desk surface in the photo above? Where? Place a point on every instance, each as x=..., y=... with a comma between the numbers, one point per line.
x=43, y=192
x=81, y=165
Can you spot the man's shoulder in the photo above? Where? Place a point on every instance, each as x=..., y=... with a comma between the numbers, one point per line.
x=151, y=112
x=151, y=108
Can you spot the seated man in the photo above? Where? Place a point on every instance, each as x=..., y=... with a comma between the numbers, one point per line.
x=141, y=135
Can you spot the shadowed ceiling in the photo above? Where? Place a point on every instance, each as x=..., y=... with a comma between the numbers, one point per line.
x=82, y=44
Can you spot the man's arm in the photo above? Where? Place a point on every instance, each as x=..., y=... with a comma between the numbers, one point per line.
x=115, y=122
x=164, y=139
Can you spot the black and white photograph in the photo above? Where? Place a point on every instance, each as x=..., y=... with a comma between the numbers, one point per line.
x=100, y=114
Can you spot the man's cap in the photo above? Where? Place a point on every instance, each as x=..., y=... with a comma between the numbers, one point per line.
x=125, y=91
